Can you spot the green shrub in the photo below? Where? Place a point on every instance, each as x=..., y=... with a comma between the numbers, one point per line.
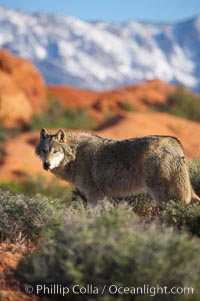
x=3, y=133
x=56, y=116
x=194, y=170
x=6, y=133
x=114, y=247
x=2, y=154
x=141, y=204
x=126, y=106
x=183, y=104
x=182, y=216
x=23, y=217
x=32, y=186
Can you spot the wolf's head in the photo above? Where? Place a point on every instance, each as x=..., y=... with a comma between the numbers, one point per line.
x=53, y=150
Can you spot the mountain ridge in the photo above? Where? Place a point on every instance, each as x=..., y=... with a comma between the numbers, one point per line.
x=99, y=55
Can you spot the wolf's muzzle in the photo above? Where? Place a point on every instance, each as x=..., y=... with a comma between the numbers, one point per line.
x=46, y=165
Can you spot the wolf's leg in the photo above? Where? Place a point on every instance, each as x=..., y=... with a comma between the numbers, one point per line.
x=180, y=185
x=194, y=197
x=159, y=193
x=168, y=180
x=166, y=190
x=77, y=193
x=95, y=198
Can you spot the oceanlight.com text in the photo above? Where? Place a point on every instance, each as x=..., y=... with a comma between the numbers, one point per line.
x=112, y=289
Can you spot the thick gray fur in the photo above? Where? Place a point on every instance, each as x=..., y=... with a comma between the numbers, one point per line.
x=101, y=167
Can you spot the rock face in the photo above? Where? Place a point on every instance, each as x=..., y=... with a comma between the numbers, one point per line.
x=136, y=97
x=22, y=90
x=141, y=97
x=15, y=108
x=72, y=97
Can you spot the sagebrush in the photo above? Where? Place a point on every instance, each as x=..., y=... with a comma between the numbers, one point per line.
x=127, y=242
x=184, y=104
x=57, y=116
x=24, y=218
x=114, y=247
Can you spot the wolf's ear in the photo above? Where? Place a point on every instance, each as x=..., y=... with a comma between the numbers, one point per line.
x=61, y=136
x=43, y=133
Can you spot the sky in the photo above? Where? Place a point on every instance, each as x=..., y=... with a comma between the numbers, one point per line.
x=113, y=10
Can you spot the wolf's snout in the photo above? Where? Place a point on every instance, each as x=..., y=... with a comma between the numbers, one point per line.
x=46, y=165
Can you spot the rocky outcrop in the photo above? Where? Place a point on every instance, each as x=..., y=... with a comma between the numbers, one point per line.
x=72, y=97
x=136, y=97
x=22, y=90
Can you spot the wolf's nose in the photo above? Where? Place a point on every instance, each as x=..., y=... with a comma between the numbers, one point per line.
x=46, y=165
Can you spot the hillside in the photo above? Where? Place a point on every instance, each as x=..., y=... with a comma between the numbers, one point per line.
x=138, y=97
x=101, y=55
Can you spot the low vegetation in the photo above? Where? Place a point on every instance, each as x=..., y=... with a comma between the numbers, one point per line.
x=23, y=217
x=184, y=104
x=112, y=246
x=3, y=133
x=2, y=154
x=56, y=116
x=127, y=242
x=31, y=186
x=194, y=169
x=126, y=106
x=182, y=217
x=6, y=133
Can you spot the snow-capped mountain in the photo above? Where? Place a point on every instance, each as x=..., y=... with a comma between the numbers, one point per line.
x=100, y=55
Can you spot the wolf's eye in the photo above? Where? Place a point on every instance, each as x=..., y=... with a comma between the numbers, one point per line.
x=55, y=151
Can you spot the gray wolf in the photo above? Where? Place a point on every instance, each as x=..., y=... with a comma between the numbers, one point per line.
x=101, y=167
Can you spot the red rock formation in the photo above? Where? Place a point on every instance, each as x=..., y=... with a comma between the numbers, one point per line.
x=22, y=90
x=71, y=97
x=15, y=108
x=138, y=97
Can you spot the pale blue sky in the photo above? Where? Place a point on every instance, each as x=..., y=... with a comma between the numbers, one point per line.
x=113, y=10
